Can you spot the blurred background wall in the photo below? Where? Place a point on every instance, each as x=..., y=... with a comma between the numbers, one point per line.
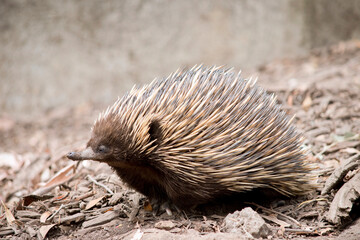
x=66, y=53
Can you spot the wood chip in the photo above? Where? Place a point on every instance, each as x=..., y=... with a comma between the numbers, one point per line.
x=337, y=176
x=72, y=218
x=6, y=231
x=343, y=145
x=345, y=198
x=104, y=218
x=28, y=214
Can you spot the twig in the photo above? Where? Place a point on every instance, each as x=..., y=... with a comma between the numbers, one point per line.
x=100, y=184
x=86, y=195
x=61, y=198
x=56, y=212
x=275, y=212
x=302, y=231
x=301, y=205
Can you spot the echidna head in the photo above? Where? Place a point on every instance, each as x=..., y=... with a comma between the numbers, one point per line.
x=118, y=143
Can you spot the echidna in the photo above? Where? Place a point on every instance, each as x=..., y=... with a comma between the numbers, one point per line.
x=197, y=135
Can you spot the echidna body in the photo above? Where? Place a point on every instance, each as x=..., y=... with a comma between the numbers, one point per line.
x=197, y=135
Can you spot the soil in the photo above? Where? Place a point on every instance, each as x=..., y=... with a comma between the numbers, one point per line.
x=45, y=194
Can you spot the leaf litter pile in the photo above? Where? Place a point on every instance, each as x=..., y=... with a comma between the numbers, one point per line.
x=45, y=195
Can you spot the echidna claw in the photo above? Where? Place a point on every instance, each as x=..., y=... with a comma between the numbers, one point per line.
x=168, y=211
x=163, y=207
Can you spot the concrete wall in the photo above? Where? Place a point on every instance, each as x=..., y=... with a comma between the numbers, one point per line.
x=64, y=53
x=328, y=22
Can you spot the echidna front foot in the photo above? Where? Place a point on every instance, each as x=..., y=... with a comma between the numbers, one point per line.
x=160, y=207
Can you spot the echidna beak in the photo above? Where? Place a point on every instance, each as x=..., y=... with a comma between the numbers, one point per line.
x=85, y=154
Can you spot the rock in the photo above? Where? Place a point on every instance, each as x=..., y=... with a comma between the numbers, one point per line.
x=351, y=232
x=166, y=225
x=246, y=220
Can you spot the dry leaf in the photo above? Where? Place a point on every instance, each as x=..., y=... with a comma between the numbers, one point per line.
x=148, y=207
x=290, y=100
x=59, y=178
x=61, y=197
x=44, y=216
x=45, y=229
x=9, y=216
x=306, y=104
x=274, y=219
x=93, y=202
x=27, y=200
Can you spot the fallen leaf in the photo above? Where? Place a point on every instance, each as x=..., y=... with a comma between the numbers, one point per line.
x=59, y=178
x=93, y=203
x=148, y=207
x=45, y=229
x=9, y=216
x=290, y=100
x=44, y=216
x=274, y=219
x=306, y=104
x=61, y=197
x=27, y=200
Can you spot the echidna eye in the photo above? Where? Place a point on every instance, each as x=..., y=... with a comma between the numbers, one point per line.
x=102, y=149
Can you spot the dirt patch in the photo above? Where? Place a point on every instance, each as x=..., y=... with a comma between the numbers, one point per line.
x=46, y=194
